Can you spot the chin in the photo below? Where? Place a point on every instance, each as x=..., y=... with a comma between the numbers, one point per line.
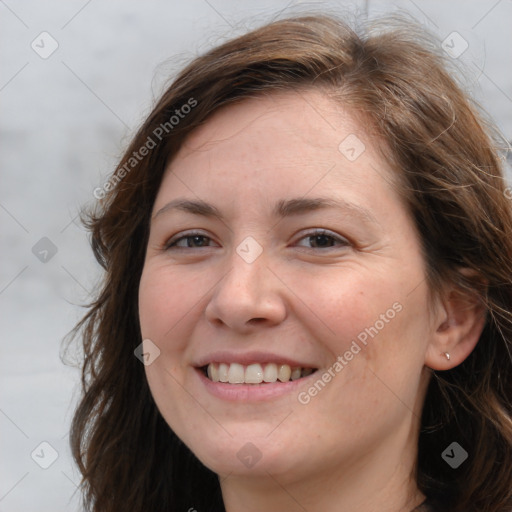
x=243, y=457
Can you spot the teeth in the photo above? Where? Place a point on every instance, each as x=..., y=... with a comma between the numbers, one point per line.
x=270, y=373
x=223, y=372
x=295, y=374
x=284, y=372
x=213, y=372
x=236, y=373
x=253, y=374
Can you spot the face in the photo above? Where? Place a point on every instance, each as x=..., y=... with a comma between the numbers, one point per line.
x=279, y=249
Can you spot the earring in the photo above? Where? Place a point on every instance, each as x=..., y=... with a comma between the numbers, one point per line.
x=447, y=355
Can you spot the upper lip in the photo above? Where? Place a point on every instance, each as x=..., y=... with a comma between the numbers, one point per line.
x=246, y=358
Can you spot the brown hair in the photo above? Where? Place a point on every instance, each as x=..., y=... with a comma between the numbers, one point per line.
x=453, y=186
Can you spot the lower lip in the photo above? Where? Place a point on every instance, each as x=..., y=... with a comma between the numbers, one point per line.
x=251, y=392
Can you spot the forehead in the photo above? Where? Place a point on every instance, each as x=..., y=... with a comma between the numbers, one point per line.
x=299, y=118
x=273, y=146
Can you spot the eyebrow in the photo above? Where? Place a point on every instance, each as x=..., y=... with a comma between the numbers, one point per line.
x=283, y=208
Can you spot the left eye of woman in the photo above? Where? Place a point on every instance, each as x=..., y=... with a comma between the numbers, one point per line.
x=322, y=239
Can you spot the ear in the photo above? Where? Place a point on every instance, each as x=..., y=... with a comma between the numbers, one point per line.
x=459, y=322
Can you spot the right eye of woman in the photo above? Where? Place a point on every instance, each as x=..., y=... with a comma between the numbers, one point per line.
x=192, y=240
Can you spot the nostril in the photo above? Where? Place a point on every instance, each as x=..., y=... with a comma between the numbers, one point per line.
x=257, y=320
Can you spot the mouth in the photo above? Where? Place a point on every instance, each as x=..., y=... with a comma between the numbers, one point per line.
x=255, y=373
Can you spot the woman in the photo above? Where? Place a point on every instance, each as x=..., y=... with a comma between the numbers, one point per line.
x=306, y=306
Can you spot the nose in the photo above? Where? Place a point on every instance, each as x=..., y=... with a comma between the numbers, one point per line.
x=248, y=296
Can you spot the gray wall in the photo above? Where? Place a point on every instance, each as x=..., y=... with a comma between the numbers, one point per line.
x=64, y=122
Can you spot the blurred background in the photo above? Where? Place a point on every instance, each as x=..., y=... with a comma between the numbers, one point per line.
x=76, y=80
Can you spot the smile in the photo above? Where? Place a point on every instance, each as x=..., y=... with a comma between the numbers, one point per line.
x=256, y=373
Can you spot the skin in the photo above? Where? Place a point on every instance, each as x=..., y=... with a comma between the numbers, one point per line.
x=353, y=446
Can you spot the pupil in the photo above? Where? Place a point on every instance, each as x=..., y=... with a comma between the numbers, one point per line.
x=198, y=240
x=321, y=238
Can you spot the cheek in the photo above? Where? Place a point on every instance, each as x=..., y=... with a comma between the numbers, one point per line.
x=153, y=302
x=372, y=320
x=346, y=307
x=164, y=300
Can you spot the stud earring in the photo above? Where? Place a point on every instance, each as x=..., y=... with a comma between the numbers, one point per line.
x=447, y=355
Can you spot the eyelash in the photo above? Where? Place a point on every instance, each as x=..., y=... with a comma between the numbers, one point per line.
x=315, y=233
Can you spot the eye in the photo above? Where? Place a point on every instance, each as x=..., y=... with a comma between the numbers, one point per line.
x=319, y=239
x=191, y=240
x=322, y=239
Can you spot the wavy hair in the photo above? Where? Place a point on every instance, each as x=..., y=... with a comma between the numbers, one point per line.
x=451, y=178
